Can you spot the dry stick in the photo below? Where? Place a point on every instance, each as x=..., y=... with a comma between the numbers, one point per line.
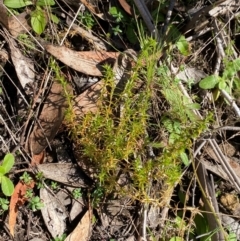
x=69, y=28
x=168, y=18
x=142, y=8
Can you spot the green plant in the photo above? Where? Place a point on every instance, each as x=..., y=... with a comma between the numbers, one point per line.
x=29, y=194
x=3, y=205
x=26, y=178
x=39, y=16
x=6, y=184
x=54, y=185
x=35, y=203
x=117, y=14
x=225, y=81
x=116, y=30
x=40, y=179
x=60, y=238
x=77, y=193
x=86, y=19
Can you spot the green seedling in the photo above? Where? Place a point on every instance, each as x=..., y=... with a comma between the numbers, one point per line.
x=29, y=194
x=86, y=19
x=40, y=179
x=54, y=185
x=3, y=205
x=60, y=238
x=77, y=193
x=26, y=178
x=6, y=184
x=39, y=17
x=116, y=13
x=35, y=203
x=116, y=30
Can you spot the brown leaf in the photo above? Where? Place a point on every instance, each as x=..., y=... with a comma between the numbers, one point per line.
x=83, y=229
x=3, y=15
x=50, y=119
x=87, y=62
x=17, y=198
x=18, y=24
x=87, y=101
x=125, y=6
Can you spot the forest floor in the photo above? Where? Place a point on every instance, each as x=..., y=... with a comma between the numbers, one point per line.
x=119, y=120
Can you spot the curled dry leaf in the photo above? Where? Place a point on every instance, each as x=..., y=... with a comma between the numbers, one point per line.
x=24, y=66
x=49, y=120
x=87, y=62
x=83, y=229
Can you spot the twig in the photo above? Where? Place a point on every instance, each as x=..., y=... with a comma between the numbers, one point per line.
x=147, y=18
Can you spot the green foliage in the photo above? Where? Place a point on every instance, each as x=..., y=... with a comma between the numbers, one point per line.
x=117, y=14
x=116, y=30
x=6, y=184
x=86, y=19
x=29, y=194
x=26, y=178
x=54, y=185
x=35, y=203
x=77, y=193
x=227, y=81
x=60, y=238
x=40, y=179
x=39, y=17
x=3, y=205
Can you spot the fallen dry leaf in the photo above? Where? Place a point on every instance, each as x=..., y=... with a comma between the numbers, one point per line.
x=17, y=198
x=87, y=101
x=65, y=173
x=24, y=66
x=50, y=119
x=53, y=213
x=125, y=6
x=83, y=228
x=3, y=15
x=87, y=62
x=18, y=24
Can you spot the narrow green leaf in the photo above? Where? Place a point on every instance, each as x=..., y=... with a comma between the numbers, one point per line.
x=7, y=186
x=184, y=159
x=183, y=46
x=8, y=162
x=209, y=82
x=45, y=2
x=176, y=239
x=17, y=3
x=54, y=18
x=38, y=21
